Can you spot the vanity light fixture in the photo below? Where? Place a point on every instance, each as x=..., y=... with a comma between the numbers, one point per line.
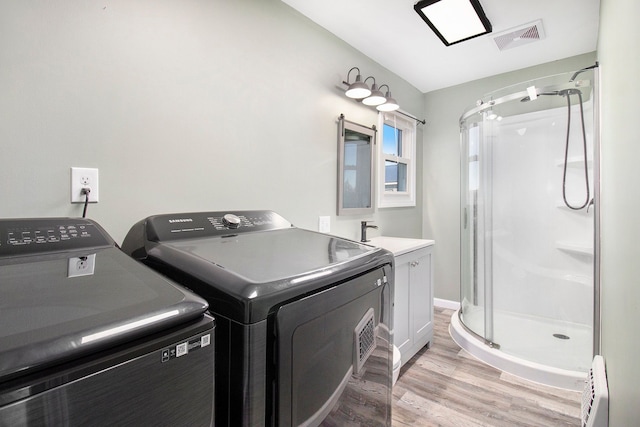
x=454, y=21
x=373, y=96
x=358, y=89
x=369, y=96
x=390, y=103
x=376, y=97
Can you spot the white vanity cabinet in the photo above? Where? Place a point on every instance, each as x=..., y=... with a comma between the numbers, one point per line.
x=413, y=292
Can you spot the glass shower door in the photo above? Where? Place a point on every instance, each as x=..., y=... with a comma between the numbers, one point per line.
x=473, y=296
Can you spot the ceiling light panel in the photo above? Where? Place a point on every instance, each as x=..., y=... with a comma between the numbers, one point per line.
x=454, y=21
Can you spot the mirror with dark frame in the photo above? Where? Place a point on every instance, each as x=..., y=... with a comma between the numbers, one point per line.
x=355, y=168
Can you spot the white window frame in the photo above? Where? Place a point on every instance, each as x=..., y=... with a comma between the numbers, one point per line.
x=394, y=199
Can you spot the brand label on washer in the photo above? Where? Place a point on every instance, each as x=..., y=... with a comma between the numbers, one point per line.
x=184, y=348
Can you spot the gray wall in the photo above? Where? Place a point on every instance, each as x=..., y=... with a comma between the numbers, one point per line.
x=441, y=163
x=618, y=44
x=173, y=102
x=183, y=105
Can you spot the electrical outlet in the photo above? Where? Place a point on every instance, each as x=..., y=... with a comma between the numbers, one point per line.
x=82, y=178
x=81, y=266
x=324, y=224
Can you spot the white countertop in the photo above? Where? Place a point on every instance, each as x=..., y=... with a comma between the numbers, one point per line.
x=399, y=245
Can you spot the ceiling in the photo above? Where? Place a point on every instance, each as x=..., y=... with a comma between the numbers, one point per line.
x=391, y=33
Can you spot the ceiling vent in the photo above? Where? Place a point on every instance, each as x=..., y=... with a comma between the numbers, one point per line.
x=519, y=36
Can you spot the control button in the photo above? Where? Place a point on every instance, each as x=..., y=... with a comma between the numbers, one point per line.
x=231, y=221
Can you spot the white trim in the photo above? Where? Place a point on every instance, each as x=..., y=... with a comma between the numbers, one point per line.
x=389, y=199
x=445, y=303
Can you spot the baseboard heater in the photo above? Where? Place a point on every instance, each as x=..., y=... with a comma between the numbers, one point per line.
x=595, y=397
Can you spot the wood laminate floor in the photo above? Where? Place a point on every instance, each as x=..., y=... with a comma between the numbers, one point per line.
x=446, y=386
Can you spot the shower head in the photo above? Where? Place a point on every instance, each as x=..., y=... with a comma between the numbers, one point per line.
x=582, y=71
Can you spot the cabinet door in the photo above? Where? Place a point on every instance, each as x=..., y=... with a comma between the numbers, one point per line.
x=421, y=303
x=401, y=313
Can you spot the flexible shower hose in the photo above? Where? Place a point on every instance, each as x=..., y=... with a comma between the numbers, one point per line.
x=566, y=152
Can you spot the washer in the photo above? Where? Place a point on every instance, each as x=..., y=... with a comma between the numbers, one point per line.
x=91, y=337
x=302, y=318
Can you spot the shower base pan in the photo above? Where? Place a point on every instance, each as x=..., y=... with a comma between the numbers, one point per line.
x=552, y=349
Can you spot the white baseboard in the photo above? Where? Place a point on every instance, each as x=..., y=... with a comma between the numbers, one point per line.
x=445, y=303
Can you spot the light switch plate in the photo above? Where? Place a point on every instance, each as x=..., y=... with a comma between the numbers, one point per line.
x=324, y=224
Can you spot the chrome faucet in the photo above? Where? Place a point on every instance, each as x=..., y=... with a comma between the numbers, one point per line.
x=363, y=230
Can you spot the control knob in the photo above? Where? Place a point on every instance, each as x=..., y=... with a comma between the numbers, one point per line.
x=231, y=221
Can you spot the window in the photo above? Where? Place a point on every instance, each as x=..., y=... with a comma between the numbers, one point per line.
x=396, y=161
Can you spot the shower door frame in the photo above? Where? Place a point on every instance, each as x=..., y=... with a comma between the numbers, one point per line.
x=481, y=213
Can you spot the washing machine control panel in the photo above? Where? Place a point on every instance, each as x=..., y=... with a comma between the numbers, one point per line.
x=31, y=236
x=231, y=221
x=211, y=224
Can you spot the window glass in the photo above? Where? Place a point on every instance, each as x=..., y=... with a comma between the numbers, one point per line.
x=391, y=140
x=395, y=178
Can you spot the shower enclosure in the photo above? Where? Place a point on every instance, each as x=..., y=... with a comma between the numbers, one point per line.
x=527, y=229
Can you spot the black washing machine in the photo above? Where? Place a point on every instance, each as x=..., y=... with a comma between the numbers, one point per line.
x=302, y=318
x=89, y=336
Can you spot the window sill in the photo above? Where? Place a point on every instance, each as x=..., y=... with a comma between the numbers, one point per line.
x=398, y=200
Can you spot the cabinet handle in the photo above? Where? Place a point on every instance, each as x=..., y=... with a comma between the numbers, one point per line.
x=414, y=263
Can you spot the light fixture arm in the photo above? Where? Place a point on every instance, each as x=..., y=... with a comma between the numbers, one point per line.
x=358, y=89
x=349, y=73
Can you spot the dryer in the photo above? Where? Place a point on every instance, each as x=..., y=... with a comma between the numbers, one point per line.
x=91, y=337
x=302, y=318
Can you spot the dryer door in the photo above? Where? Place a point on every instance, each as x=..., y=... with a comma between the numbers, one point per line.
x=335, y=356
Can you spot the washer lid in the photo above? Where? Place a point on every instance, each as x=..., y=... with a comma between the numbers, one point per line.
x=274, y=255
x=53, y=309
x=244, y=276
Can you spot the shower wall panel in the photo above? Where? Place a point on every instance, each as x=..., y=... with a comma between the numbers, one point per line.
x=542, y=250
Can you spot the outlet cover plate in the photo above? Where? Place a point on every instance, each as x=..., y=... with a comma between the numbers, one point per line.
x=84, y=177
x=81, y=266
